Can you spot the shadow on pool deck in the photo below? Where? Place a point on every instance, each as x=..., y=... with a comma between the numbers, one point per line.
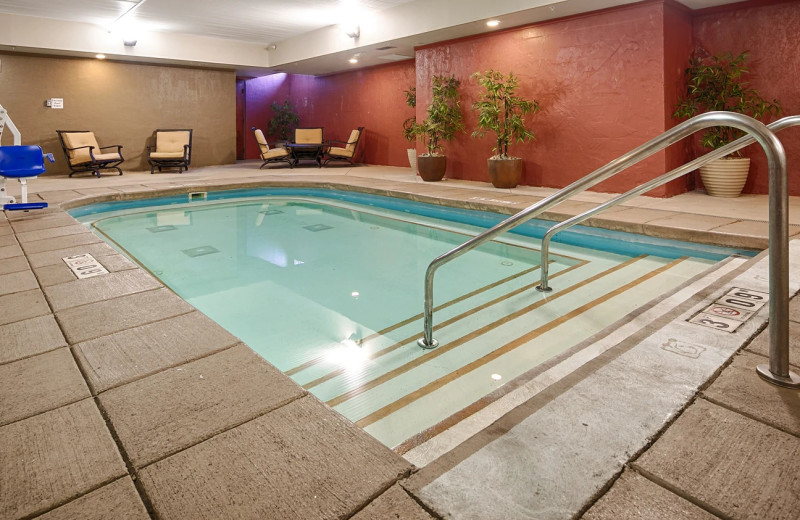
x=99, y=418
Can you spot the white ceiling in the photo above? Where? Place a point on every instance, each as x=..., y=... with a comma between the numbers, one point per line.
x=259, y=37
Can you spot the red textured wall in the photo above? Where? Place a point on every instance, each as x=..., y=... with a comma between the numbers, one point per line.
x=372, y=98
x=598, y=77
x=769, y=32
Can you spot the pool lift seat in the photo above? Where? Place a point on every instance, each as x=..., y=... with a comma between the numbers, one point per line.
x=19, y=162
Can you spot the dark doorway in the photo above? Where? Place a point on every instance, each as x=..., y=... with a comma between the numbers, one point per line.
x=241, y=131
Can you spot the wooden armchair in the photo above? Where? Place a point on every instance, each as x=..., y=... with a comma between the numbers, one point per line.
x=347, y=150
x=172, y=149
x=270, y=155
x=83, y=154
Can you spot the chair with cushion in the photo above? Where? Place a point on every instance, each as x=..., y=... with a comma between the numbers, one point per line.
x=83, y=154
x=308, y=136
x=172, y=149
x=347, y=149
x=270, y=155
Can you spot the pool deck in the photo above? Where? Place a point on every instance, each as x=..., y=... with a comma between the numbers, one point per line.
x=119, y=400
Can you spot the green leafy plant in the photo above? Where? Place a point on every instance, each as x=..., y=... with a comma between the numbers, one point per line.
x=409, y=124
x=717, y=83
x=284, y=121
x=444, y=115
x=502, y=112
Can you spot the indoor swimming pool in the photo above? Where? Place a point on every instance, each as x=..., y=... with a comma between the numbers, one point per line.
x=328, y=287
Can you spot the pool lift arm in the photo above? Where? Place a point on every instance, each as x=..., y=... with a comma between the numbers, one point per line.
x=19, y=162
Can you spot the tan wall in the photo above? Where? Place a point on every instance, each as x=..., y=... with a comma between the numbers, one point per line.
x=122, y=103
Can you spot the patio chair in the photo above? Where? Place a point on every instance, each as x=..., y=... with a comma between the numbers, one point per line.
x=270, y=155
x=173, y=149
x=83, y=154
x=346, y=152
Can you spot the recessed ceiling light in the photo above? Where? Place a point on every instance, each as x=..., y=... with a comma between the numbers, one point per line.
x=100, y=56
x=493, y=23
x=353, y=60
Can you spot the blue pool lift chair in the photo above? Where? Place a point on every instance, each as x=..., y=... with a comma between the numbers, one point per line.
x=21, y=163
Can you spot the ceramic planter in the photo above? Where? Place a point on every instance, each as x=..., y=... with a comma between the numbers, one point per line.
x=412, y=159
x=431, y=167
x=505, y=173
x=725, y=177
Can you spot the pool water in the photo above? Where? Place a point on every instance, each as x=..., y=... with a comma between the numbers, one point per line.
x=331, y=292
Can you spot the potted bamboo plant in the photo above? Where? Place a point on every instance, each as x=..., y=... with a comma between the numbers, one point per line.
x=502, y=112
x=443, y=121
x=717, y=83
x=408, y=127
x=283, y=123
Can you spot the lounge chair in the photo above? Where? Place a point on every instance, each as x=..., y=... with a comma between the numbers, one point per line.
x=347, y=150
x=173, y=149
x=83, y=154
x=270, y=155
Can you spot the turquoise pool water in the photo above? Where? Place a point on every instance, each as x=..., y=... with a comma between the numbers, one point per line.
x=327, y=286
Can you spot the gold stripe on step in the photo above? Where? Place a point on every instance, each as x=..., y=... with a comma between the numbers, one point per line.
x=508, y=347
x=472, y=335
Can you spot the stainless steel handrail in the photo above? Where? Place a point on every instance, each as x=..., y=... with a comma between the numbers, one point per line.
x=779, y=224
x=728, y=149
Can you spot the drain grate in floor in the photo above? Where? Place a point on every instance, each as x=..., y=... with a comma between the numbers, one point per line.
x=317, y=227
x=200, y=251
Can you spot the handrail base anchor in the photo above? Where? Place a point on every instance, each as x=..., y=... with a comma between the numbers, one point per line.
x=541, y=288
x=427, y=346
x=792, y=381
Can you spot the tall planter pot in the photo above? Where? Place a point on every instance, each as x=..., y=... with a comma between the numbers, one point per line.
x=412, y=159
x=725, y=177
x=431, y=167
x=505, y=173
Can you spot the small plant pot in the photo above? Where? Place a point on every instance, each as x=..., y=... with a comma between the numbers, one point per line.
x=431, y=167
x=505, y=173
x=412, y=159
x=725, y=177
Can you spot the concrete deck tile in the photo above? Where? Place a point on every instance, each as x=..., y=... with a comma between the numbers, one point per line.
x=55, y=197
x=633, y=497
x=62, y=242
x=55, y=220
x=18, y=216
x=10, y=251
x=13, y=264
x=7, y=240
x=55, y=456
x=760, y=345
x=44, y=258
x=740, y=388
x=5, y=227
x=692, y=222
x=794, y=310
x=22, y=305
x=179, y=407
x=134, y=353
x=27, y=338
x=53, y=232
x=99, y=288
x=116, y=501
x=622, y=217
x=59, y=273
x=37, y=384
x=17, y=282
x=737, y=466
x=567, y=208
x=98, y=191
x=109, y=316
x=394, y=503
x=299, y=461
